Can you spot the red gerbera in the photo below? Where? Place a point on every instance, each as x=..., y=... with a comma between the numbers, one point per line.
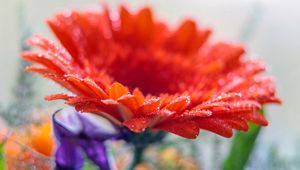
x=139, y=73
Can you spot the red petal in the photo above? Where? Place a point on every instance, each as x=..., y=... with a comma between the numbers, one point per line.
x=144, y=25
x=137, y=124
x=39, y=70
x=43, y=60
x=179, y=104
x=216, y=125
x=63, y=34
x=188, y=129
x=244, y=106
x=130, y=101
x=58, y=97
x=149, y=106
x=117, y=90
x=198, y=113
x=256, y=117
x=126, y=21
x=110, y=114
x=184, y=34
x=81, y=86
x=95, y=88
x=139, y=95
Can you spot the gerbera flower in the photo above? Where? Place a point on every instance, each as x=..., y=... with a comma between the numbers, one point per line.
x=141, y=74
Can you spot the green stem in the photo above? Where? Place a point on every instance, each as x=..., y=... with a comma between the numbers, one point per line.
x=242, y=146
x=1, y=156
x=137, y=156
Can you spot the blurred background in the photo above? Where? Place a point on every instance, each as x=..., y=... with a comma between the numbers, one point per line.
x=269, y=28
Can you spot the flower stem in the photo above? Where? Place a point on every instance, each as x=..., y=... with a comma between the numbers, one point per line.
x=243, y=145
x=137, y=156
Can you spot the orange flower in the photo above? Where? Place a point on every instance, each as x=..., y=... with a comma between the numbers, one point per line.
x=32, y=148
x=139, y=73
x=40, y=139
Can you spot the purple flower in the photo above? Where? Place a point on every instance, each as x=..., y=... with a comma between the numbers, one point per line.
x=79, y=135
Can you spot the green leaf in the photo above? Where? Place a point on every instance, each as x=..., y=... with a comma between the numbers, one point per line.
x=2, y=163
x=88, y=165
x=241, y=148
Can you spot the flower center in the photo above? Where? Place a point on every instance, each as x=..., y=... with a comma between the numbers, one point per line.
x=153, y=72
